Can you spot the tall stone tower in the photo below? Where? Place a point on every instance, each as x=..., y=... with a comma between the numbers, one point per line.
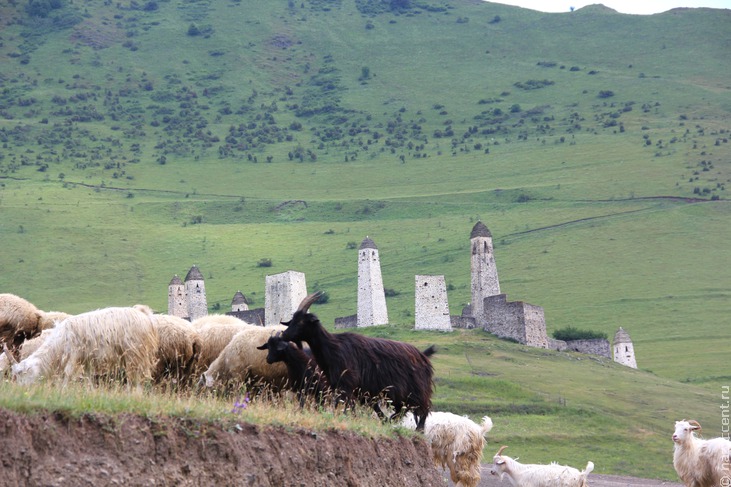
x=177, y=305
x=195, y=294
x=239, y=302
x=484, y=272
x=371, y=296
x=431, y=309
x=624, y=352
x=284, y=293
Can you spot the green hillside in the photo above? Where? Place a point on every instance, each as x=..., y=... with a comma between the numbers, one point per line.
x=140, y=138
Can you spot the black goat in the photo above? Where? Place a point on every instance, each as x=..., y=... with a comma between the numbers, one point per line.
x=304, y=377
x=367, y=369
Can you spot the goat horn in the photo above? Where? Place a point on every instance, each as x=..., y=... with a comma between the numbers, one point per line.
x=11, y=357
x=693, y=422
x=500, y=451
x=309, y=301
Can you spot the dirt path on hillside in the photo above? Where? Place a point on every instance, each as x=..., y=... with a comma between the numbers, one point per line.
x=595, y=480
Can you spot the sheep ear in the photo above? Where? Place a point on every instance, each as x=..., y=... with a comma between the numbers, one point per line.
x=694, y=425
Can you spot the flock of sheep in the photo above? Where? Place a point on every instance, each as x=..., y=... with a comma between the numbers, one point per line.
x=134, y=346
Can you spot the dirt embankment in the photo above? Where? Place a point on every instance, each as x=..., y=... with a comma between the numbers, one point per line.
x=97, y=450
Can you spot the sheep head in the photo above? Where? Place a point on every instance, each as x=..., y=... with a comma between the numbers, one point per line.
x=684, y=429
x=302, y=322
x=27, y=371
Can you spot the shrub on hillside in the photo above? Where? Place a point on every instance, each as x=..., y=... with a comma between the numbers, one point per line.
x=570, y=333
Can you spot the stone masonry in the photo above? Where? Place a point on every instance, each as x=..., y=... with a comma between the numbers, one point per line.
x=284, y=293
x=371, y=296
x=522, y=322
x=431, y=306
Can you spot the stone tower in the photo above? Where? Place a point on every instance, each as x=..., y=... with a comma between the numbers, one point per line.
x=284, y=293
x=371, y=296
x=239, y=302
x=624, y=352
x=484, y=272
x=177, y=305
x=195, y=294
x=431, y=309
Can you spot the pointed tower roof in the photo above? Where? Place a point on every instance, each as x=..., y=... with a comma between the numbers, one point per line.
x=239, y=298
x=480, y=230
x=368, y=244
x=622, y=336
x=194, y=274
x=175, y=281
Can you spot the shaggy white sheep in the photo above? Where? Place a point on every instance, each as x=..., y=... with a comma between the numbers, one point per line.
x=700, y=463
x=532, y=475
x=26, y=349
x=214, y=337
x=242, y=361
x=456, y=442
x=179, y=348
x=217, y=319
x=119, y=343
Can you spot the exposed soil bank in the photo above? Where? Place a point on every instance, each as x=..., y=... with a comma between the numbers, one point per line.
x=98, y=450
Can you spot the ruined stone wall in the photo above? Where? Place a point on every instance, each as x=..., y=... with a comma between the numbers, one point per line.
x=256, y=316
x=503, y=318
x=431, y=308
x=346, y=321
x=535, y=325
x=522, y=322
x=599, y=346
x=463, y=321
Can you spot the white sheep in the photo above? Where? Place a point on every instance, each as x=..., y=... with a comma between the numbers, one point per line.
x=19, y=320
x=25, y=351
x=109, y=342
x=179, y=348
x=216, y=319
x=242, y=361
x=214, y=337
x=700, y=463
x=532, y=475
x=456, y=443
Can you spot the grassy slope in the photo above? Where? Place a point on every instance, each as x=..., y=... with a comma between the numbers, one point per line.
x=589, y=244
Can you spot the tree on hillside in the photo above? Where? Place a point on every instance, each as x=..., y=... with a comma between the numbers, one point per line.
x=400, y=4
x=41, y=8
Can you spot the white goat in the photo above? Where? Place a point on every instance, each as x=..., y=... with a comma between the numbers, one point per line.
x=700, y=463
x=109, y=342
x=456, y=442
x=532, y=475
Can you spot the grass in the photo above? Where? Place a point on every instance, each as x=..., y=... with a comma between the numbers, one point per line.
x=76, y=400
